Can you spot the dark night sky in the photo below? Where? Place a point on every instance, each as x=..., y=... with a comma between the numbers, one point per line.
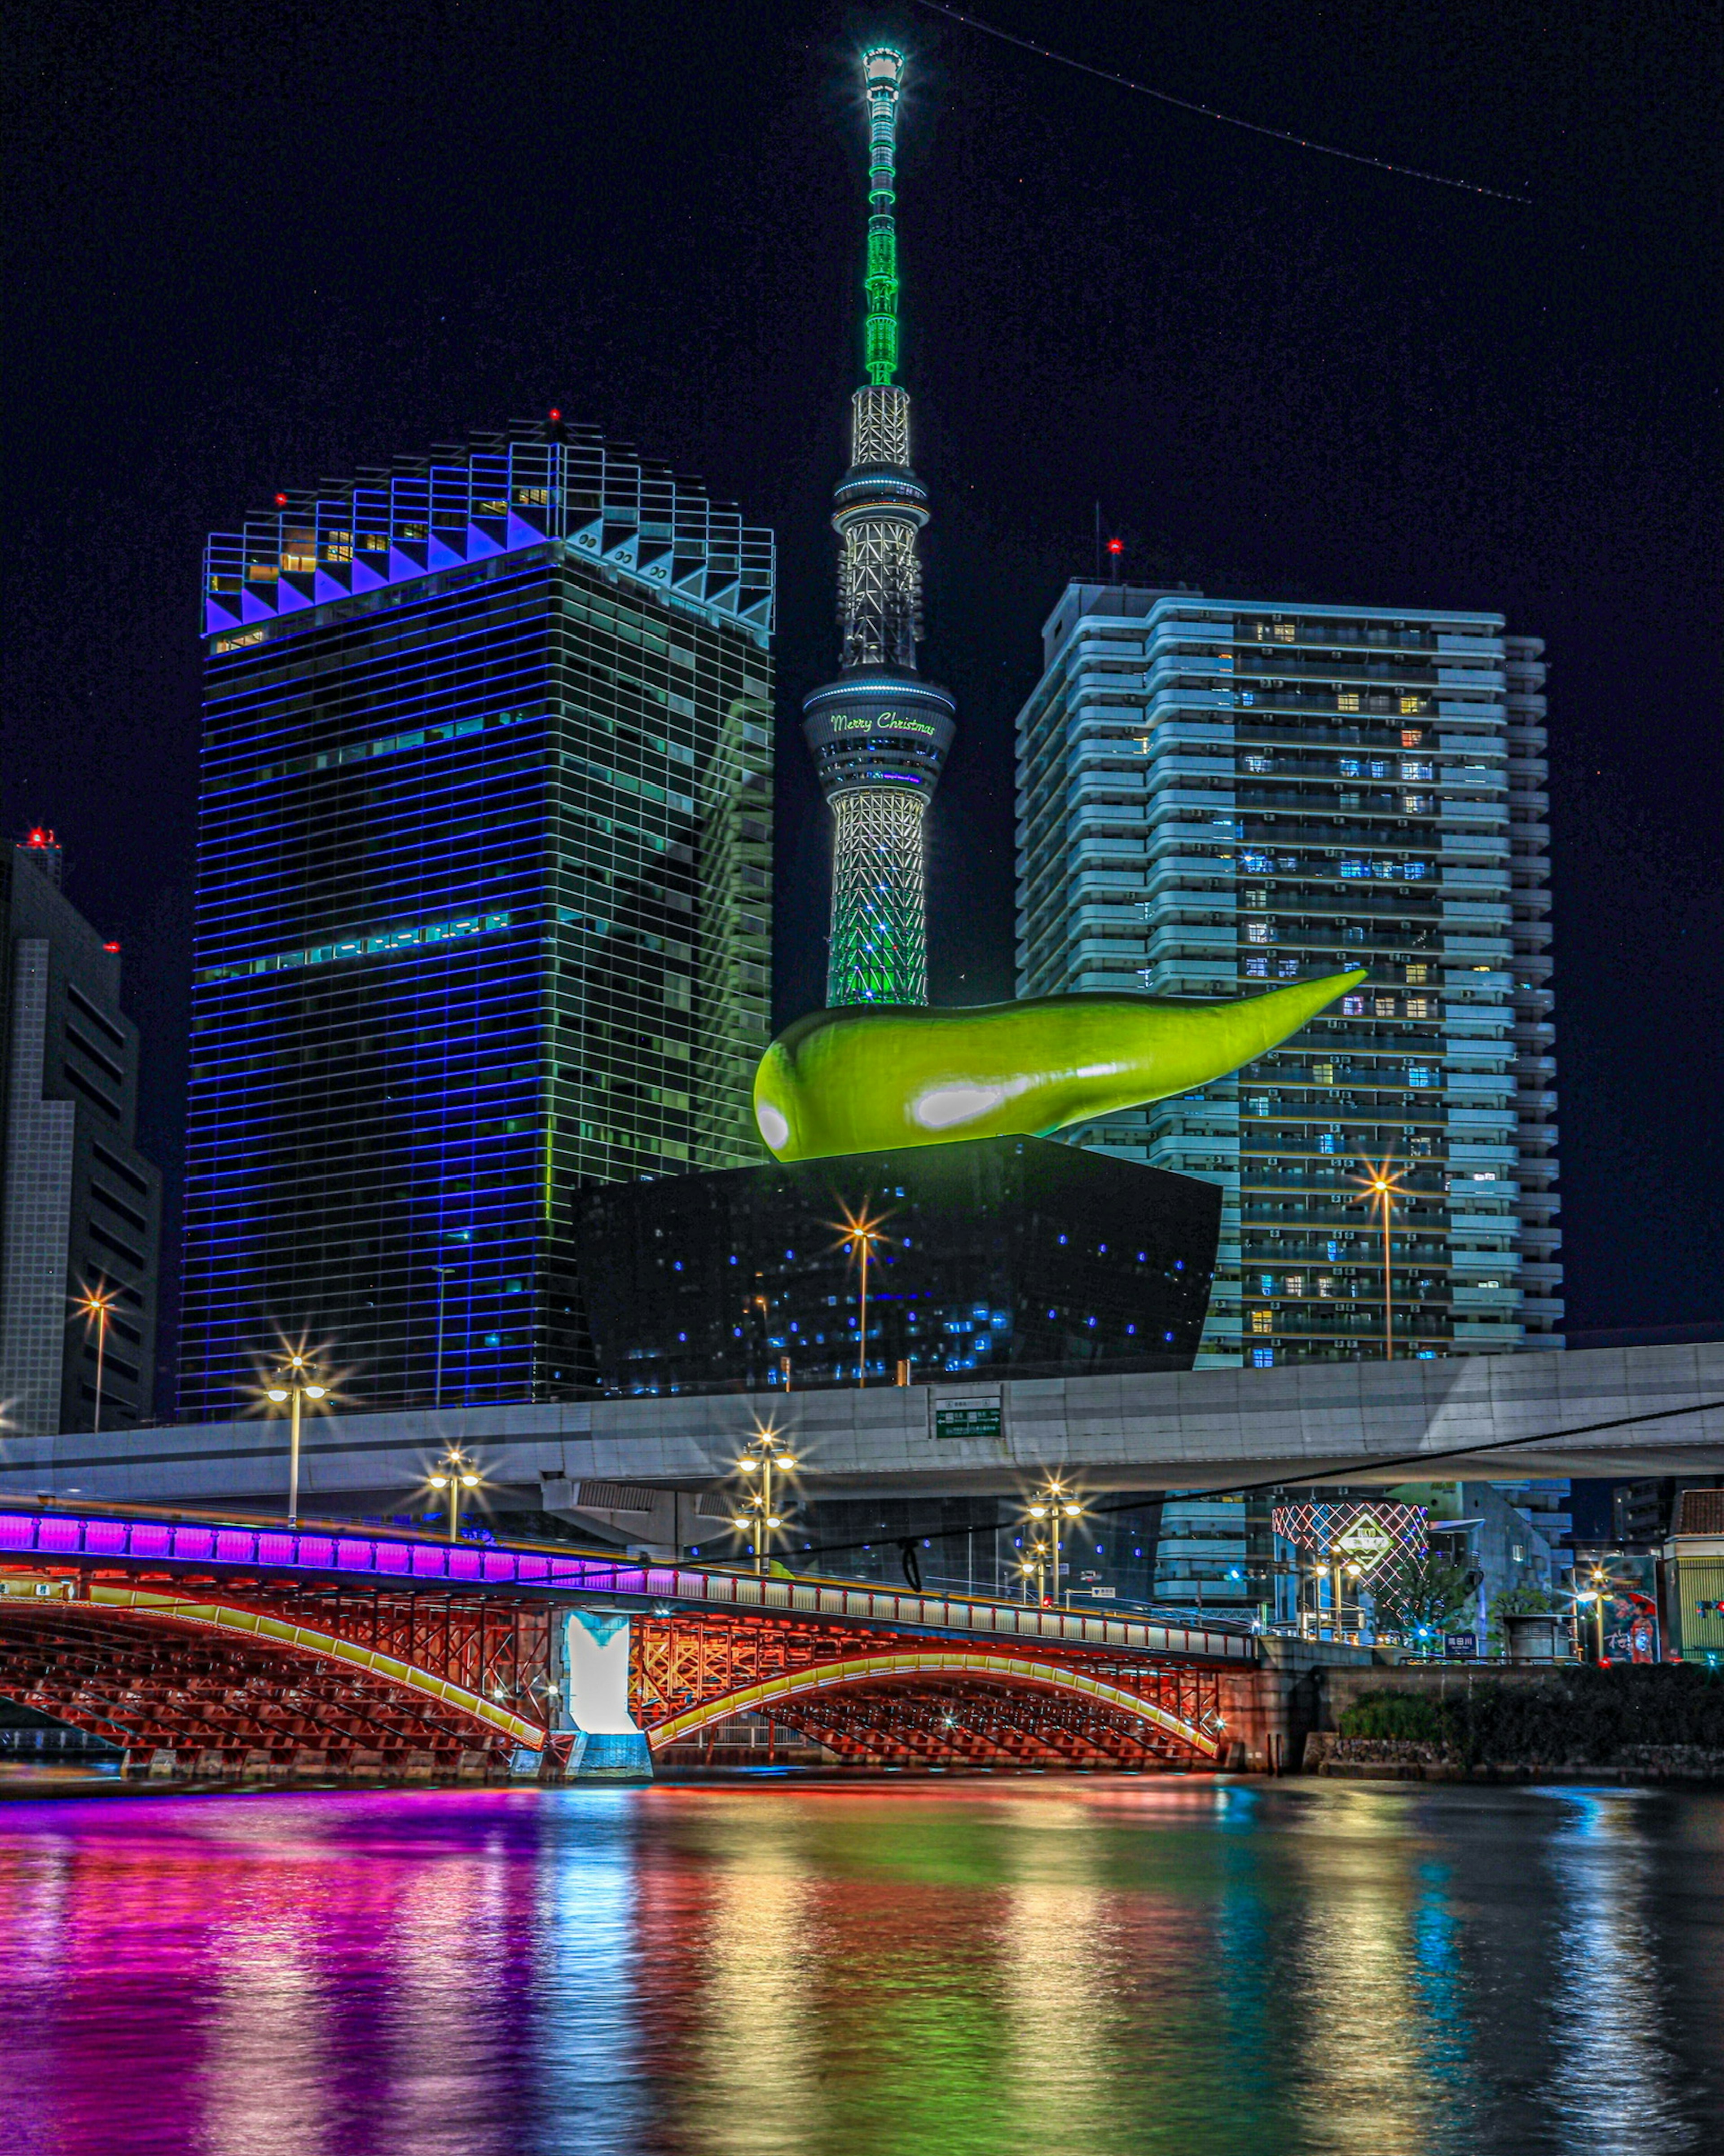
x=252, y=247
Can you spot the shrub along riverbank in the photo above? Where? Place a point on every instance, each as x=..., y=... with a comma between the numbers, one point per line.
x=1659, y=1721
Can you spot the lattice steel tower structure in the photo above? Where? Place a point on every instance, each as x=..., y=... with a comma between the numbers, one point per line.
x=879, y=733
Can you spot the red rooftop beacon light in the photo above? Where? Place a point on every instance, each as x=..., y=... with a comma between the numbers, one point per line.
x=1115, y=549
x=281, y=501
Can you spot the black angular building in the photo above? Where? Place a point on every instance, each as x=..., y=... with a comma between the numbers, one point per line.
x=1013, y=1257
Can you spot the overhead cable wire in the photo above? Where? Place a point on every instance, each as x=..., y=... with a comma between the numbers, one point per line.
x=1210, y=112
x=1341, y=1471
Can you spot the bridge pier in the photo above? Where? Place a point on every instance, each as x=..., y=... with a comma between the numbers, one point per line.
x=1271, y=1708
x=605, y=1743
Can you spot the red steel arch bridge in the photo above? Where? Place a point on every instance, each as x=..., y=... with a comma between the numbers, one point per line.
x=218, y=1646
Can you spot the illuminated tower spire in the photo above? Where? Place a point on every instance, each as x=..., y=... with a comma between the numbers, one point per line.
x=879, y=733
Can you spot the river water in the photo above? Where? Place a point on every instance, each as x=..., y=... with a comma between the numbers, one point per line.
x=1096, y=1967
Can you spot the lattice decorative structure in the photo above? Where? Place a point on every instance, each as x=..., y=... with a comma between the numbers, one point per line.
x=1319, y=1529
x=878, y=901
x=880, y=734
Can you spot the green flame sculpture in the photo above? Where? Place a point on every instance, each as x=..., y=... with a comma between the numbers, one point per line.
x=869, y=1076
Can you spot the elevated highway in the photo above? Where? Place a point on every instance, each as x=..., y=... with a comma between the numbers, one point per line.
x=1604, y=1412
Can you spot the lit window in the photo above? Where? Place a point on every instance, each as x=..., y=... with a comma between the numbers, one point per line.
x=1262, y=1321
x=1415, y=804
x=1324, y=1073
x=1257, y=969
x=1418, y=973
x=1417, y=1074
x=1287, y=968
x=1259, y=932
x=1414, y=870
x=1379, y=767
x=1326, y=1142
x=1283, y=632
x=1259, y=762
x=1410, y=704
x=1266, y=1284
x=1257, y=864
x=1387, y=869
x=1385, y=1006
x=1411, y=736
x=1355, y=869
x=1325, y=1284
x=1419, y=1007
x=1293, y=1284
x=1416, y=768
x=1349, y=766
x=1263, y=1359
x=1331, y=1251
x=1352, y=1006
x=1258, y=1105
x=1256, y=896
x=1346, y=699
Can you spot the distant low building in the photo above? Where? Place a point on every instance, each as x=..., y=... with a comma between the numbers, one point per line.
x=80, y=1208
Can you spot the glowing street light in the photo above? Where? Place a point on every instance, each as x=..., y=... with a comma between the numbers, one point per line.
x=299, y=1378
x=762, y=1513
x=1380, y=1190
x=96, y=1303
x=1055, y=1504
x=859, y=1234
x=454, y=1472
x=1034, y=1565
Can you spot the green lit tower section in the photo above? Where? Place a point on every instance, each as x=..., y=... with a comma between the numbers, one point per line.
x=879, y=733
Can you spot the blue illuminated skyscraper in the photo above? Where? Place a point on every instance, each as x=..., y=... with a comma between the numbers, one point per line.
x=483, y=902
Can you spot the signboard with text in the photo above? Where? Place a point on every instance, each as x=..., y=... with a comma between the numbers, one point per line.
x=980, y=1417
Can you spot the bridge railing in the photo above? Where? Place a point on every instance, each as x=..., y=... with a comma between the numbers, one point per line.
x=410, y=1561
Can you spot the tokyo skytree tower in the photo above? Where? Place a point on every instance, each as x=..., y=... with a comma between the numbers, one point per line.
x=879, y=733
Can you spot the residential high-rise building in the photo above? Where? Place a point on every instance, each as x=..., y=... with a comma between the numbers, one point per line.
x=484, y=903
x=1216, y=793
x=879, y=733
x=80, y=1208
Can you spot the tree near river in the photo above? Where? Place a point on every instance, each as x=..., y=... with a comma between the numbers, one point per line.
x=1432, y=1594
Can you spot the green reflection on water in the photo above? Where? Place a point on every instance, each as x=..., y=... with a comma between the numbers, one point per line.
x=1078, y=1969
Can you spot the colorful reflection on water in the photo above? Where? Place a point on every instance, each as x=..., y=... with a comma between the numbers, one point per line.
x=1082, y=1969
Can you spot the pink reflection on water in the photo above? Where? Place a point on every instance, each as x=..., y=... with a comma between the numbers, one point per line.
x=331, y=1975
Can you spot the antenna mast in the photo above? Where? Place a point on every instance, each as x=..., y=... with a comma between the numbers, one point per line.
x=879, y=733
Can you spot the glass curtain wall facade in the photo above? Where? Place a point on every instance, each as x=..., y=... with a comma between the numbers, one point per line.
x=484, y=905
x=1215, y=795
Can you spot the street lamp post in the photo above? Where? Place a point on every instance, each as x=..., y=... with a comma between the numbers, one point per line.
x=454, y=1472
x=1600, y=1582
x=761, y=1460
x=299, y=1378
x=96, y=1303
x=861, y=1235
x=1034, y=1566
x=1054, y=1503
x=443, y=1273
x=1381, y=1189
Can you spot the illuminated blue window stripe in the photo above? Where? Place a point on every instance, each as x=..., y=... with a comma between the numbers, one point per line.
x=383, y=944
x=330, y=759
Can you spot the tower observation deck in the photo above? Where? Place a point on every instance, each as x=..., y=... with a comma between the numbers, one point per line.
x=879, y=733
